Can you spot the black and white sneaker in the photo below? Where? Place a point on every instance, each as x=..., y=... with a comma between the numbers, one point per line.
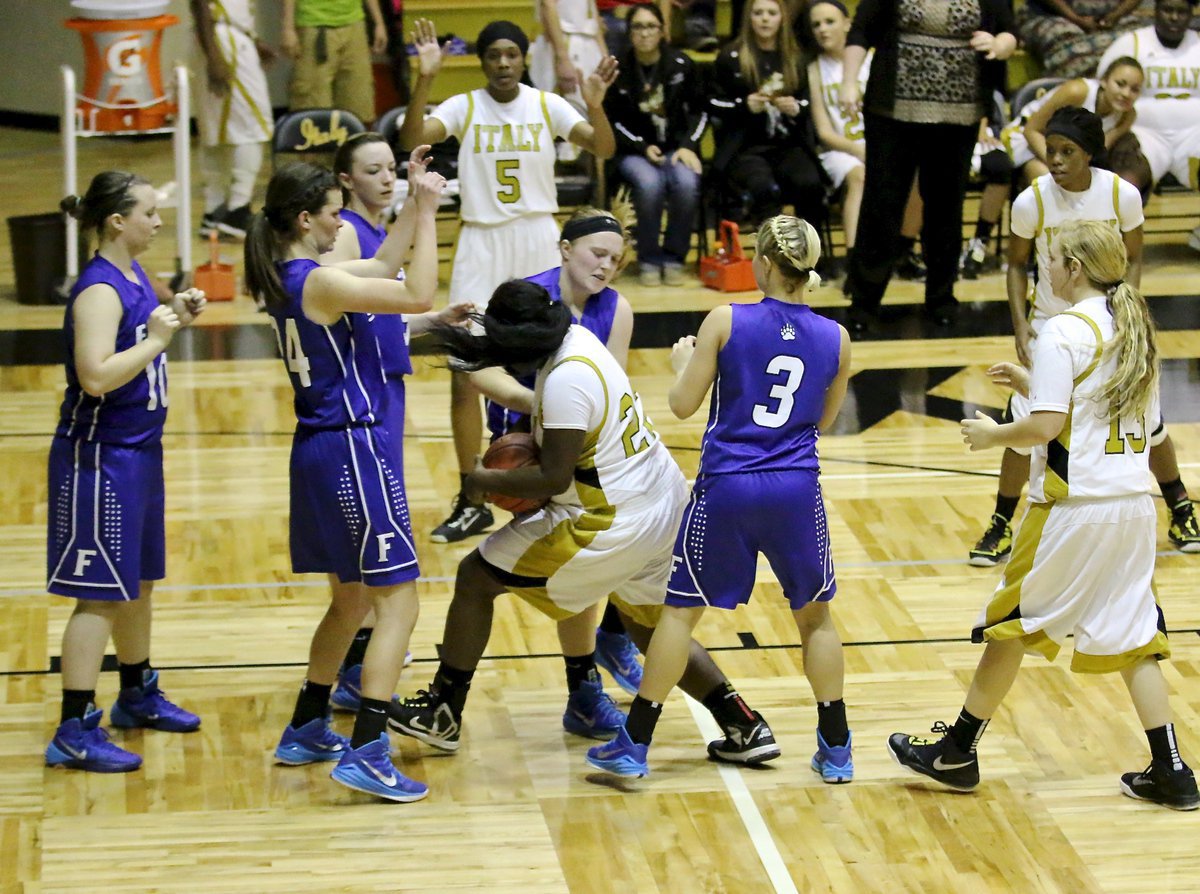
x=211, y=221
x=466, y=520
x=1170, y=788
x=236, y=222
x=753, y=743
x=939, y=758
x=426, y=718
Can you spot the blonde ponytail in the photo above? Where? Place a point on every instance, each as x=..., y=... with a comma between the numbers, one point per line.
x=1099, y=249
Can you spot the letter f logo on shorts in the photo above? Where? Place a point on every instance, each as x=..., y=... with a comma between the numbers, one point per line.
x=385, y=544
x=83, y=558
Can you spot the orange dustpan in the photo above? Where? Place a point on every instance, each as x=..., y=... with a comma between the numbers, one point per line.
x=214, y=278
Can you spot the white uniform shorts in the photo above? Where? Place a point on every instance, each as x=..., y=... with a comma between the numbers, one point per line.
x=243, y=115
x=564, y=559
x=487, y=256
x=838, y=165
x=1082, y=567
x=1175, y=153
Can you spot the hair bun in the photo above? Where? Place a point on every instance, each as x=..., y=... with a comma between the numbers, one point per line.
x=72, y=205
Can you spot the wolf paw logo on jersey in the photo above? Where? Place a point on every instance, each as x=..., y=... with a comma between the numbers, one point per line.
x=788, y=332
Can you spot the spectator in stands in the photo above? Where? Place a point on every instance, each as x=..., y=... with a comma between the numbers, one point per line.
x=765, y=141
x=1067, y=37
x=843, y=147
x=931, y=78
x=658, y=119
x=571, y=43
x=1168, y=112
x=615, y=15
x=991, y=164
x=1112, y=97
x=328, y=44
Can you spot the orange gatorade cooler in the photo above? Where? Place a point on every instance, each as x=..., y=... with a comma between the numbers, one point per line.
x=728, y=270
x=122, y=85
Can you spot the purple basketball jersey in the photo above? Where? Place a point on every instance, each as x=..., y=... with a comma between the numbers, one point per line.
x=598, y=313
x=134, y=413
x=772, y=376
x=335, y=369
x=391, y=332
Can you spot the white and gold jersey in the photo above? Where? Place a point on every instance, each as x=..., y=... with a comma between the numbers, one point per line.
x=506, y=154
x=238, y=13
x=1095, y=455
x=1170, y=100
x=830, y=71
x=1039, y=212
x=624, y=462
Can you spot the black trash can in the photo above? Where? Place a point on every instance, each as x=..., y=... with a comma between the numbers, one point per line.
x=39, y=252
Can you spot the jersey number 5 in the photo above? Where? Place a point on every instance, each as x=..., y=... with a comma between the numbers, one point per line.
x=293, y=356
x=784, y=391
x=506, y=174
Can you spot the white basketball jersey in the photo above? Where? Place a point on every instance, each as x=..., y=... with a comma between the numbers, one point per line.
x=623, y=458
x=1089, y=103
x=1170, y=100
x=1094, y=455
x=506, y=154
x=830, y=71
x=1040, y=211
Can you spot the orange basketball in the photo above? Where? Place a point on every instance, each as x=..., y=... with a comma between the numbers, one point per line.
x=513, y=451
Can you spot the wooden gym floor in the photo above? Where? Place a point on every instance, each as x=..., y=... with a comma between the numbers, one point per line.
x=516, y=809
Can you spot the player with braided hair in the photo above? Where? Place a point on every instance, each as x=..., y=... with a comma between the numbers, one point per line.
x=780, y=374
x=1083, y=561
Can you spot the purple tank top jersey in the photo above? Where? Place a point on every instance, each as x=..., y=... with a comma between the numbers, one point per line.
x=772, y=376
x=598, y=313
x=335, y=369
x=390, y=329
x=134, y=413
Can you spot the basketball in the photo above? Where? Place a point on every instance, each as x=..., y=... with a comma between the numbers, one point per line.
x=514, y=450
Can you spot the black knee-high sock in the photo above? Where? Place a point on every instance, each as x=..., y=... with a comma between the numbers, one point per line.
x=311, y=703
x=967, y=731
x=1164, y=750
x=1173, y=492
x=370, y=723
x=1006, y=507
x=831, y=722
x=358, y=647
x=611, y=622
x=452, y=686
x=643, y=717
x=727, y=707
x=133, y=676
x=581, y=669
x=983, y=229
x=75, y=703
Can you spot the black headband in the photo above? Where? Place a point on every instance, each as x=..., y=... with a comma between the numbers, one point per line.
x=501, y=30
x=586, y=226
x=835, y=3
x=1080, y=126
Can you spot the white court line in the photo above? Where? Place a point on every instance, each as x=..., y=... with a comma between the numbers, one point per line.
x=752, y=819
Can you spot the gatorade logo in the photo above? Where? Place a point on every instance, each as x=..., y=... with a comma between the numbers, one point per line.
x=124, y=58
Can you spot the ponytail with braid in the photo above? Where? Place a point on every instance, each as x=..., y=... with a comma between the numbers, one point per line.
x=793, y=246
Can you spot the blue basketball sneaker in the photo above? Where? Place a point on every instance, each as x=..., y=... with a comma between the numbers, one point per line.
x=621, y=757
x=616, y=653
x=369, y=769
x=834, y=763
x=347, y=695
x=312, y=743
x=147, y=706
x=592, y=713
x=82, y=745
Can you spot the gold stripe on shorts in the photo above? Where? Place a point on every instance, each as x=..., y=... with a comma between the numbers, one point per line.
x=646, y=615
x=1003, y=615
